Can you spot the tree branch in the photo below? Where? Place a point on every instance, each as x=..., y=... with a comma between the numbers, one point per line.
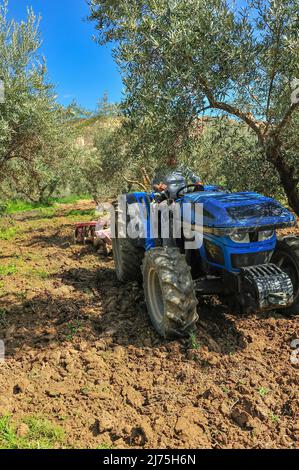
x=286, y=118
x=246, y=117
x=277, y=33
x=137, y=183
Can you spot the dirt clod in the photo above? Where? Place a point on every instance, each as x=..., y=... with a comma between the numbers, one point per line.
x=80, y=351
x=23, y=430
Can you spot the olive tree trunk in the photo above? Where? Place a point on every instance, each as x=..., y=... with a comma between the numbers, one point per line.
x=287, y=173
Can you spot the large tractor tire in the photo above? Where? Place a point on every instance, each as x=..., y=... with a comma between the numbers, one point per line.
x=169, y=292
x=127, y=256
x=286, y=257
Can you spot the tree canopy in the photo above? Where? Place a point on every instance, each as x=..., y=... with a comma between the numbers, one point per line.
x=184, y=58
x=36, y=148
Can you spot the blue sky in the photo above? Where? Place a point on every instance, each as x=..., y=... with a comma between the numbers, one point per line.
x=80, y=68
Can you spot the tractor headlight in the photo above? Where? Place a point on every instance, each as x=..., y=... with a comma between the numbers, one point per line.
x=240, y=237
x=265, y=235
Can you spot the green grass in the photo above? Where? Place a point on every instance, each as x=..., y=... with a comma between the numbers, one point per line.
x=8, y=233
x=37, y=273
x=47, y=212
x=8, y=270
x=18, y=205
x=77, y=212
x=72, y=199
x=263, y=391
x=22, y=206
x=273, y=417
x=73, y=329
x=194, y=344
x=105, y=446
x=24, y=269
x=225, y=389
x=42, y=434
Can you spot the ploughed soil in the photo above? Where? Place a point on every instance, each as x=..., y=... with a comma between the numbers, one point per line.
x=81, y=352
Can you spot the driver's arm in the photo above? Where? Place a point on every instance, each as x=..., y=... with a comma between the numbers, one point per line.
x=157, y=182
x=159, y=187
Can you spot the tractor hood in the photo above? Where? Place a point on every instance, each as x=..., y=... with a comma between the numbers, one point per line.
x=246, y=211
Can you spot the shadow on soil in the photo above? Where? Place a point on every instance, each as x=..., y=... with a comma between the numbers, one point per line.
x=106, y=306
x=84, y=279
x=55, y=239
x=32, y=215
x=62, y=241
x=37, y=323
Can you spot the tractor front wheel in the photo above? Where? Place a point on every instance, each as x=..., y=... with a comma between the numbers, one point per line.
x=169, y=292
x=286, y=257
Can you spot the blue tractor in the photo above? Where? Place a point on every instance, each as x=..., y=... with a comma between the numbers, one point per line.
x=240, y=259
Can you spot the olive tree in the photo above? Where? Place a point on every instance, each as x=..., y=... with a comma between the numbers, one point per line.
x=35, y=140
x=49, y=170
x=183, y=58
x=227, y=153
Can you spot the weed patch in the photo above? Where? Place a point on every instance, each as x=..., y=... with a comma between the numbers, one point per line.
x=36, y=273
x=18, y=205
x=8, y=270
x=77, y=212
x=72, y=329
x=194, y=344
x=263, y=391
x=8, y=233
x=40, y=433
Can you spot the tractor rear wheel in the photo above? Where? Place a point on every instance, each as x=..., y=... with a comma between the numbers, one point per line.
x=127, y=256
x=169, y=292
x=286, y=257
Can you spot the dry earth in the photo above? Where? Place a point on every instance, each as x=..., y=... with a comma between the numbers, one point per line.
x=80, y=351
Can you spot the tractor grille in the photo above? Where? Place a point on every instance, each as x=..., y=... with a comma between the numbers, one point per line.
x=250, y=259
x=274, y=288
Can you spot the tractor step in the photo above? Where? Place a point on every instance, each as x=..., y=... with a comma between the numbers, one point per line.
x=209, y=285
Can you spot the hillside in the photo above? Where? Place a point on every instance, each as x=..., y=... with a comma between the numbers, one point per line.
x=88, y=128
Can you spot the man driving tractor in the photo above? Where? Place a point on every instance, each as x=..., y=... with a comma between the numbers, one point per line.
x=171, y=171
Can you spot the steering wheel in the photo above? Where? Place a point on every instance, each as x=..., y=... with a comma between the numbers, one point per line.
x=197, y=187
